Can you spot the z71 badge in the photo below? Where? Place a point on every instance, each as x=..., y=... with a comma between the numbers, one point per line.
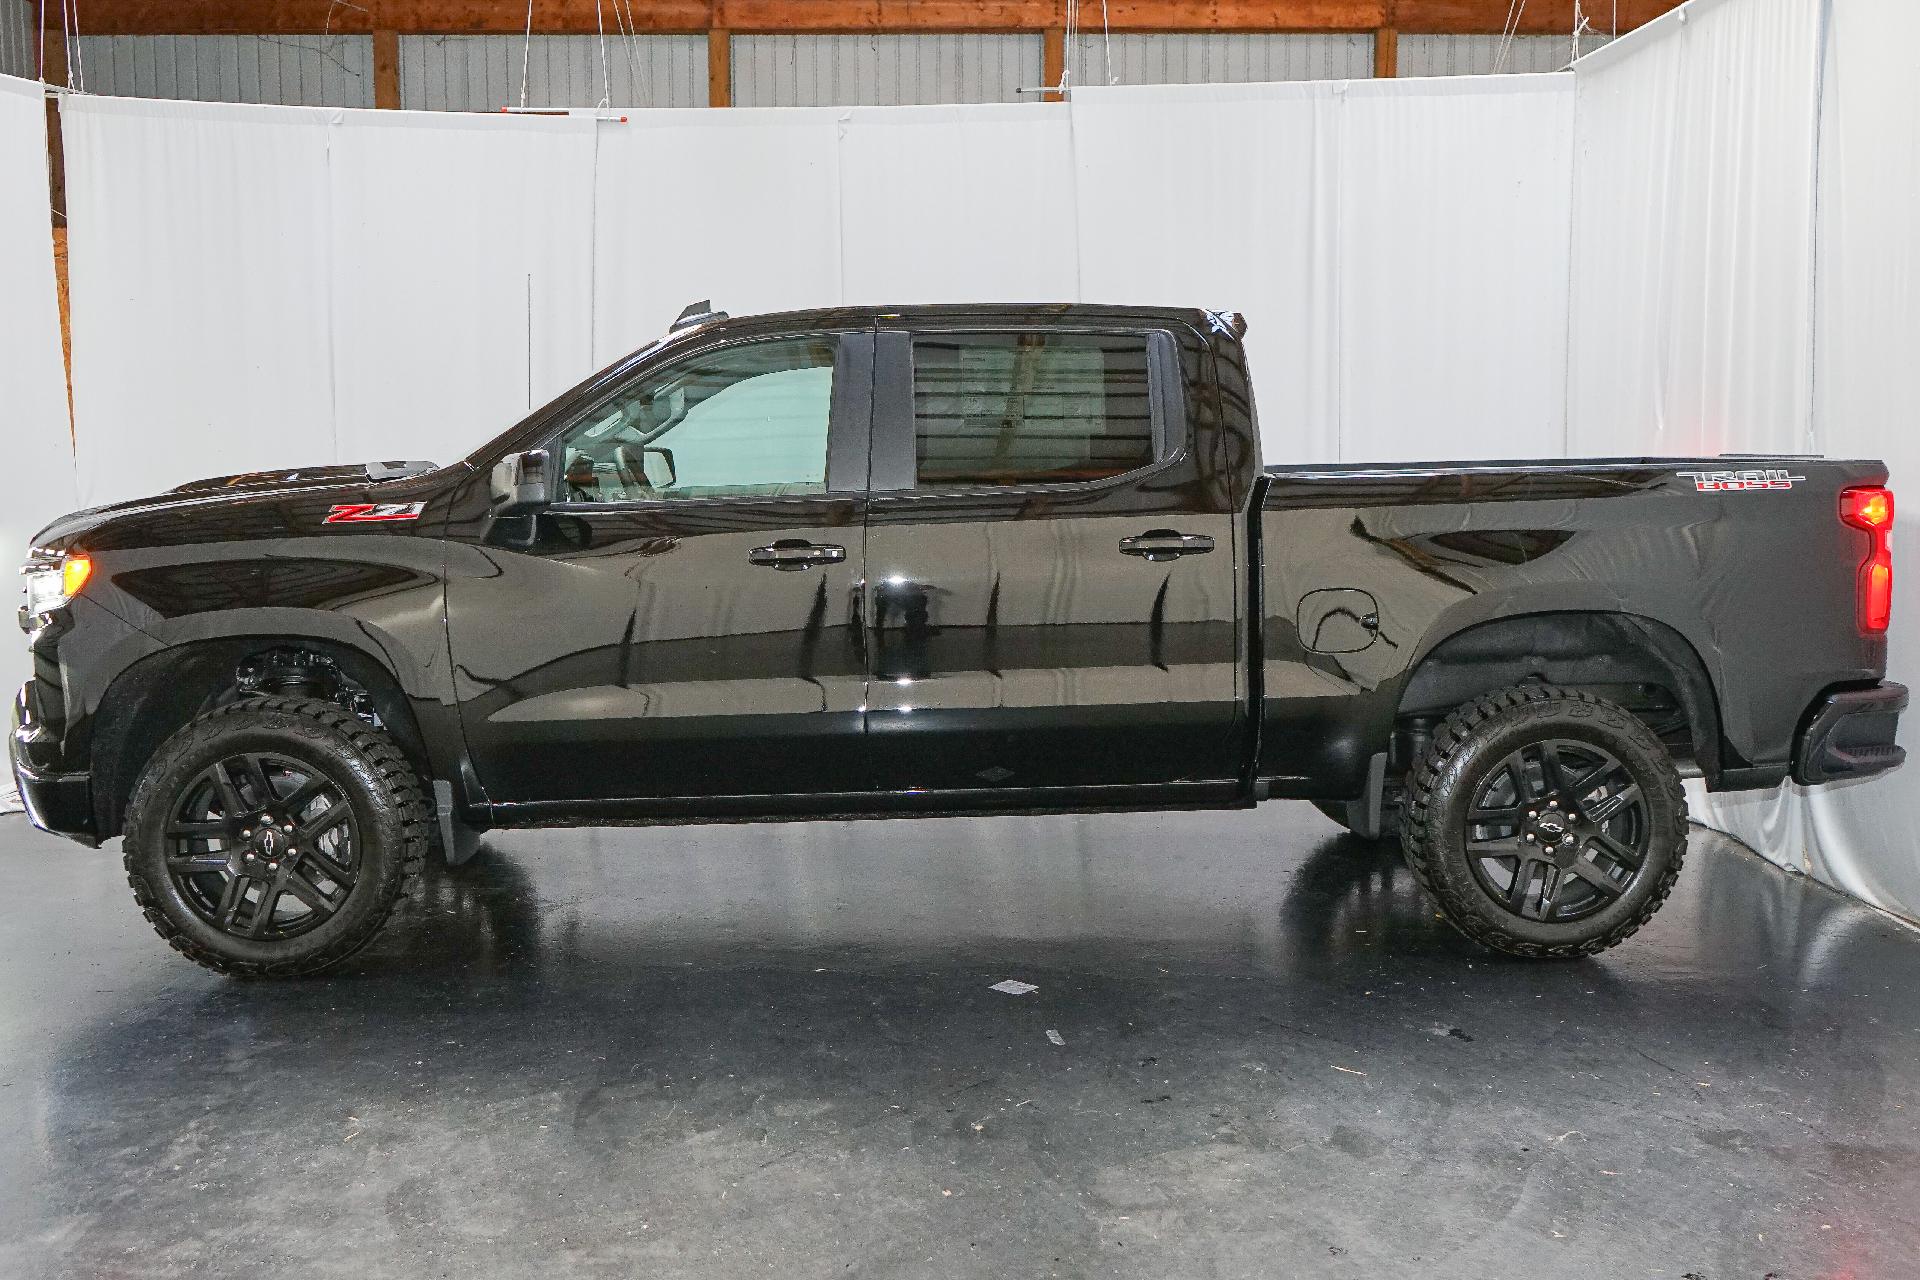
x=373, y=512
x=1739, y=481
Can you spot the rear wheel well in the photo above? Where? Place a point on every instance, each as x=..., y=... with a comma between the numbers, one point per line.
x=1644, y=666
x=157, y=696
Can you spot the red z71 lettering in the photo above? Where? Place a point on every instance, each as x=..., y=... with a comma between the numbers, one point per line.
x=373, y=512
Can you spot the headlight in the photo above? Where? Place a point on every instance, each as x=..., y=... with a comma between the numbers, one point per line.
x=54, y=581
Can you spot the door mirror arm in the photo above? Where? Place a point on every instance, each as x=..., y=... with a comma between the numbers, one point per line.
x=520, y=484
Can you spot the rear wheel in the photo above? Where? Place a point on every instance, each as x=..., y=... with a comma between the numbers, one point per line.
x=1547, y=822
x=274, y=836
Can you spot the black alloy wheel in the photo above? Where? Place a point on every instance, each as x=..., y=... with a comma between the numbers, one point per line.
x=1548, y=823
x=274, y=836
x=263, y=846
x=1557, y=831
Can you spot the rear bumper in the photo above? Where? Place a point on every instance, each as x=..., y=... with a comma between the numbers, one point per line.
x=1849, y=733
x=61, y=803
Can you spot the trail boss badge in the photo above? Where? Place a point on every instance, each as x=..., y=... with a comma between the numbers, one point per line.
x=1739, y=481
x=373, y=512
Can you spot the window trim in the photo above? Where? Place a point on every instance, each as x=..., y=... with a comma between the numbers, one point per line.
x=895, y=459
x=848, y=425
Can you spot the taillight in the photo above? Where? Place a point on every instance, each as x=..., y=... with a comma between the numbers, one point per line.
x=1871, y=508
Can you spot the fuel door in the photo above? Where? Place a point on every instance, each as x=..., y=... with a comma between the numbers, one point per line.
x=1337, y=620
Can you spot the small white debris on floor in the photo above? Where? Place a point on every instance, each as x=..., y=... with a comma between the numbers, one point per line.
x=1014, y=987
x=1056, y=1037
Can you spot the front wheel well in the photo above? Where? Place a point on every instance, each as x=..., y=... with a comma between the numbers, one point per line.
x=160, y=694
x=1640, y=664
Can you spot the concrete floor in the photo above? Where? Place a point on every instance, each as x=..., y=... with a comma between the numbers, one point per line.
x=773, y=1051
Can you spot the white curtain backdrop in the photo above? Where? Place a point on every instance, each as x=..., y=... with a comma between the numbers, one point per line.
x=33, y=382
x=965, y=204
x=1400, y=249
x=1693, y=221
x=460, y=276
x=740, y=206
x=197, y=242
x=264, y=285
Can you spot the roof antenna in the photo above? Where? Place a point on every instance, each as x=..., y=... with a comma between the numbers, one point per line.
x=697, y=314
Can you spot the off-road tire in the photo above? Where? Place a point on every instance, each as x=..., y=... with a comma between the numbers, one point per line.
x=1467, y=747
x=389, y=808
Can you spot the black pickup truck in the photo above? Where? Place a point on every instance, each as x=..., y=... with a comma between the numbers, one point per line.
x=869, y=562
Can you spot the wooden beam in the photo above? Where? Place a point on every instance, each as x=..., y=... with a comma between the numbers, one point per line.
x=554, y=17
x=386, y=70
x=54, y=71
x=1386, y=53
x=1053, y=59
x=719, y=67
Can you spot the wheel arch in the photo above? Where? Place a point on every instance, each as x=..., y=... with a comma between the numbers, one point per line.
x=157, y=695
x=1605, y=652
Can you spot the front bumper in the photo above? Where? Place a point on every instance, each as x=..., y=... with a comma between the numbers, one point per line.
x=1849, y=733
x=61, y=803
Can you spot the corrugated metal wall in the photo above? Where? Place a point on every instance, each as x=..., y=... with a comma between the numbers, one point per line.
x=308, y=71
x=19, y=46
x=1475, y=55
x=816, y=71
x=482, y=73
x=1220, y=59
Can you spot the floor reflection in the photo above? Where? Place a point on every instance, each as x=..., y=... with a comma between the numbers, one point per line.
x=721, y=1050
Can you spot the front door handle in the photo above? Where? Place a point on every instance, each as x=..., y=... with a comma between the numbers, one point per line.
x=1166, y=544
x=789, y=555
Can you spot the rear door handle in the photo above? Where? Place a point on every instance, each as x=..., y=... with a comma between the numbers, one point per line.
x=792, y=554
x=1166, y=544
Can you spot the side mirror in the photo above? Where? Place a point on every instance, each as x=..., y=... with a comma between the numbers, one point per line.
x=658, y=463
x=520, y=483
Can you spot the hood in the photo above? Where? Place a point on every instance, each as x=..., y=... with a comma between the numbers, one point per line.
x=343, y=474
x=217, y=491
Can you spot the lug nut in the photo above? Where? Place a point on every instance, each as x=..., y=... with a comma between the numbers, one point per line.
x=1553, y=804
x=1566, y=839
x=1533, y=813
x=1529, y=839
x=249, y=831
x=249, y=857
x=273, y=866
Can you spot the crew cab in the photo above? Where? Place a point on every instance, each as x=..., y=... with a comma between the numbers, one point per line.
x=941, y=559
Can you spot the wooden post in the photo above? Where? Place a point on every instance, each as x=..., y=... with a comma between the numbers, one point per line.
x=1053, y=60
x=1386, y=52
x=719, y=67
x=55, y=72
x=386, y=70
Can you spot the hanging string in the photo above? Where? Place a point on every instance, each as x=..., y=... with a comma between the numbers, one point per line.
x=1507, y=32
x=606, y=84
x=1106, y=32
x=526, y=55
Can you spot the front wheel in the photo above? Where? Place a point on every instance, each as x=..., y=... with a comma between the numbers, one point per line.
x=1547, y=822
x=274, y=836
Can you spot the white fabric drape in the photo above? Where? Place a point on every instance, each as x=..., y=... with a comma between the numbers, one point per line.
x=1693, y=227
x=460, y=275
x=33, y=381
x=740, y=206
x=966, y=204
x=197, y=270
x=1400, y=249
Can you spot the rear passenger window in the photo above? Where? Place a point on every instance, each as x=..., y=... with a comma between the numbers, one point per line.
x=1029, y=408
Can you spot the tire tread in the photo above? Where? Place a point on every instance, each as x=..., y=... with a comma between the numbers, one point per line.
x=1415, y=813
x=403, y=790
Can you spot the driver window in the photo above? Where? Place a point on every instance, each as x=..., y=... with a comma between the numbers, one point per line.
x=743, y=421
